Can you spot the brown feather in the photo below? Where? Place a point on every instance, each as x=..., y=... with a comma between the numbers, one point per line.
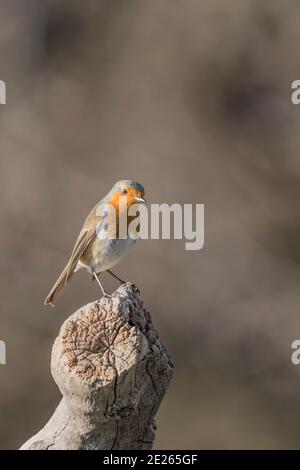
x=86, y=237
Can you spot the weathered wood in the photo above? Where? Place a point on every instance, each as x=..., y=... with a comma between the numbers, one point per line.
x=112, y=371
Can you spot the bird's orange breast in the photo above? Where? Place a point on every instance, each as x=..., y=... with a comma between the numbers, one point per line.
x=116, y=201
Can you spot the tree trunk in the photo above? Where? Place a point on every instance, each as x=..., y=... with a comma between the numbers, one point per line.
x=112, y=371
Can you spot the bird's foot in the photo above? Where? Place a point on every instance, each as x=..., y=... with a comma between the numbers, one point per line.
x=106, y=294
x=116, y=277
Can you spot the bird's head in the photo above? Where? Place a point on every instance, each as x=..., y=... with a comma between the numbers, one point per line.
x=131, y=190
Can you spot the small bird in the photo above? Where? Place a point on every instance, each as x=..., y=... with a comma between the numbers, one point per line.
x=100, y=253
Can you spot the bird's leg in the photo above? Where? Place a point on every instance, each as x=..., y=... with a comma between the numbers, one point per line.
x=95, y=276
x=115, y=276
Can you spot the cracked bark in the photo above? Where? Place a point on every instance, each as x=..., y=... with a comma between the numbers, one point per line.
x=112, y=371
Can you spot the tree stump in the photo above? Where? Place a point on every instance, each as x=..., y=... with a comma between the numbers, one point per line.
x=112, y=371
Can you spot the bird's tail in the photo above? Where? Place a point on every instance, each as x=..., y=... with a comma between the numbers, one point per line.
x=58, y=287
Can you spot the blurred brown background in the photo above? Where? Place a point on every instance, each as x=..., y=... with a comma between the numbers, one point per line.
x=192, y=99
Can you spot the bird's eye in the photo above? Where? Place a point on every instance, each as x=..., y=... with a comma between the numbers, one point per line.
x=124, y=191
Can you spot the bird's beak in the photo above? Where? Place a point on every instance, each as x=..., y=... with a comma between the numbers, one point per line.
x=140, y=199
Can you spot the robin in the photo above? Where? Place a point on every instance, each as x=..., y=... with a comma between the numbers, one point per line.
x=93, y=250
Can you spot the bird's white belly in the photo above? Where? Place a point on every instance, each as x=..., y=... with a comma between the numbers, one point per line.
x=107, y=253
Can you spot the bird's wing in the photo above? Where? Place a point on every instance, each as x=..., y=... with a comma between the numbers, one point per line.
x=87, y=235
x=83, y=241
x=94, y=224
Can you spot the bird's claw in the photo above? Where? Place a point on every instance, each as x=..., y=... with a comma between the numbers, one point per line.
x=106, y=294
